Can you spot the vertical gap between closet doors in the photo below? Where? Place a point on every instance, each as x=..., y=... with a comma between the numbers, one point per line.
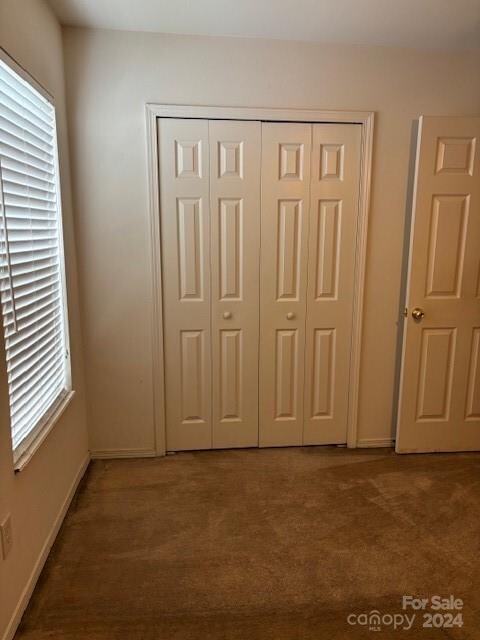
x=358, y=236
x=259, y=284
x=307, y=222
x=211, y=209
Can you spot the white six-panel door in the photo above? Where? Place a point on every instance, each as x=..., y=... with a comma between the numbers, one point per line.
x=440, y=386
x=220, y=183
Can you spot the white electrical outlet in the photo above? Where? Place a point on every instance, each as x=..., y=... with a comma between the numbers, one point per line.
x=7, y=536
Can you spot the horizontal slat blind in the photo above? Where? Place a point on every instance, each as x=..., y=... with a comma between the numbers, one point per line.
x=31, y=259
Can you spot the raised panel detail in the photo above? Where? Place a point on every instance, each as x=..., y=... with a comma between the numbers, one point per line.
x=323, y=373
x=230, y=375
x=436, y=374
x=192, y=358
x=286, y=374
x=328, y=248
x=448, y=227
x=455, y=155
x=331, y=161
x=473, y=390
x=189, y=217
x=188, y=159
x=230, y=159
x=230, y=238
x=288, y=248
x=291, y=161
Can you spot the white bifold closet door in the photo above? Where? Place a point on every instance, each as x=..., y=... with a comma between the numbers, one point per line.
x=210, y=225
x=226, y=318
x=310, y=190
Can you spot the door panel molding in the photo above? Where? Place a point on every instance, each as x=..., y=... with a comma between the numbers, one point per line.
x=230, y=234
x=230, y=377
x=329, y=223
x=286, y=374
x=437, y=353
x=289, y=224
x=449, y=219
x=323, y=378
x=232, y=162
x=472, y=411
x=192, y=376
x=190, y=246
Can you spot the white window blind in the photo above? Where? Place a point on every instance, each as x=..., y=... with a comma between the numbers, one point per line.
x=31, y=258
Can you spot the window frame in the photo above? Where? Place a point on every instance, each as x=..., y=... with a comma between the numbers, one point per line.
x=24, y=451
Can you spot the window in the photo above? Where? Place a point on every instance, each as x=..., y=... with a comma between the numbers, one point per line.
x=32, y=290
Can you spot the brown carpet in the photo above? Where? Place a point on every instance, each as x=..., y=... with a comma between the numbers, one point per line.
x=273, y=544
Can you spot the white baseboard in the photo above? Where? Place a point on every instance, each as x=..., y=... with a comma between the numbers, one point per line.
x=37, y=569
x=100, y=454
x=375, y=442
x=107, y=454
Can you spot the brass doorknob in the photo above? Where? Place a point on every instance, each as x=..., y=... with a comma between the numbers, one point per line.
x=418, y=314
x=227, y=315
x=290, y=315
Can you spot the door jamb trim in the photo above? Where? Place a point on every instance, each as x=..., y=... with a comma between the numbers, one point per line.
x=155, y=111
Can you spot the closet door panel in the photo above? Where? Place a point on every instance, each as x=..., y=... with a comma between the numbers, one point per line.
x=235, y=244
x=331, y=264
x=185, y=231
x=284, y=240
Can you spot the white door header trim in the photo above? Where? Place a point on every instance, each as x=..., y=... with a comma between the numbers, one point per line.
x=259, y=113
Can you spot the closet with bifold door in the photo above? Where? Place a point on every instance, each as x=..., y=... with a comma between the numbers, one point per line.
x=258, y=243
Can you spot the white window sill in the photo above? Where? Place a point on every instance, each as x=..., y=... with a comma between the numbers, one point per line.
x=55, y=414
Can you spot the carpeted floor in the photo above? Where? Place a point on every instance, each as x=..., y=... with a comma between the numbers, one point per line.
x=272, y=544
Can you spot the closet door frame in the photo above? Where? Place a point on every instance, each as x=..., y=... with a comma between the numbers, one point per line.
x=156, y=111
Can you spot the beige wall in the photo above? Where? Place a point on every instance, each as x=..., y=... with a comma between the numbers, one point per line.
x=110, y=77
x=35, y=497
